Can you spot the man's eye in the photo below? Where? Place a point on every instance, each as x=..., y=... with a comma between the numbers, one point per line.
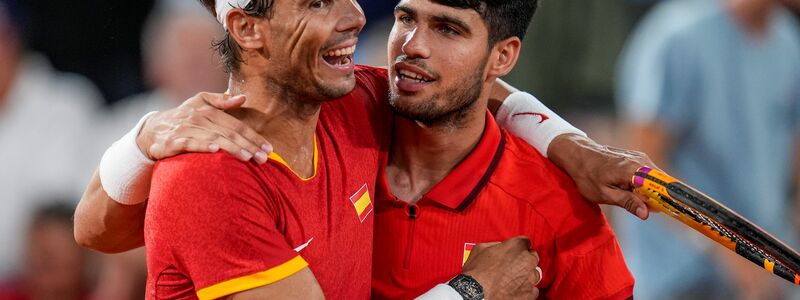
x=405, y=19
x=446, y=29
x=319, y=4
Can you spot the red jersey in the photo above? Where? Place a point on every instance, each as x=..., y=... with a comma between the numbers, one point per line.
x=216, y=226
x=504, y=188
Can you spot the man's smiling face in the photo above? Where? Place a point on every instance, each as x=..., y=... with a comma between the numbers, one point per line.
x=437, y=60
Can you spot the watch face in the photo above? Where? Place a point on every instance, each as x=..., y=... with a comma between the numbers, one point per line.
x=467, y=287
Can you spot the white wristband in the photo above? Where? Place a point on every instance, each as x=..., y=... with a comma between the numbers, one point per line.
x=125, y=171
x=441, y=292
x=528, y=118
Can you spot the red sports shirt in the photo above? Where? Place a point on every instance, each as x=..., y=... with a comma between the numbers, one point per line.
x=216, y=226
x=504, y=188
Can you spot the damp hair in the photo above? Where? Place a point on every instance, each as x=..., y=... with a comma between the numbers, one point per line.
x=503, y=18
x=230, y=52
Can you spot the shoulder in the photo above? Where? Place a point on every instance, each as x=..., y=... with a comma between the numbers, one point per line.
x=191, y=189
x=528, y=176
x=197, y=176
x=524, y=172
x=202, y=165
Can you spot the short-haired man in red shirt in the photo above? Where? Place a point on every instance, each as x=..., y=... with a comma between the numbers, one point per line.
x=453, y=178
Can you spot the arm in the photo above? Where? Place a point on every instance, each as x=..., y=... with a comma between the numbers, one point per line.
x=110, y=214
x=106, y=225
x=301, y=285
x=601, y=173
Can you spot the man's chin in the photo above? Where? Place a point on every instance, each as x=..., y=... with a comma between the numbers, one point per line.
x=340, y=88
x=423, y=112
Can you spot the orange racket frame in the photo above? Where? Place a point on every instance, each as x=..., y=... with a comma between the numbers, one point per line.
x=717, y=222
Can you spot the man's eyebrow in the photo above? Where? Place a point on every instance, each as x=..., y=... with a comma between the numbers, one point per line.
x=408, y=10
x=443, y=18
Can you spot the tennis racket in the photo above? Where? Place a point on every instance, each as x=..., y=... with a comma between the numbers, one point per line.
x=717, y=222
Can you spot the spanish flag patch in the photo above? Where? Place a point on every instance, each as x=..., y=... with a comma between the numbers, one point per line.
x=467, y=251
x=362, y=203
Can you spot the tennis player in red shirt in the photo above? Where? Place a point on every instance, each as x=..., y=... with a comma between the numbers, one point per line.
x=453, y=178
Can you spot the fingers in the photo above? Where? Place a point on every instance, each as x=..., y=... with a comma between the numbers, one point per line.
x=197, y=139
x=235, y=137
x=518, y=242
x=628, y=200
x=478, y=248
x=219, y=101
x=198, y=125
x=535, y=293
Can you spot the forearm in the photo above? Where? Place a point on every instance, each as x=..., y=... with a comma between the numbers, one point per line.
x=650, y=138
x=105, y=225
x=566, y=149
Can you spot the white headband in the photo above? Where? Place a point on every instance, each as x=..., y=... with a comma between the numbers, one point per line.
x=223, y=7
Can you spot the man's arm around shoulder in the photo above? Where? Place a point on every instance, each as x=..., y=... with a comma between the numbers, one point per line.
x=106, y=225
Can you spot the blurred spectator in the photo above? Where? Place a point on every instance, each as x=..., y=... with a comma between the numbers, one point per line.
x=53, y=265
x=711, y=91
x=44, y=118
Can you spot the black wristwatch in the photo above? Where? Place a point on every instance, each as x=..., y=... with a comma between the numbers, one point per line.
x=467, y=287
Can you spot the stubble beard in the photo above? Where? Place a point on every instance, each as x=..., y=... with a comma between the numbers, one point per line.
x=454, y=113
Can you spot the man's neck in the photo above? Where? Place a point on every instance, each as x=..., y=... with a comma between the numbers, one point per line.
x=281, y=116
x=422, y=155
x=752, y=15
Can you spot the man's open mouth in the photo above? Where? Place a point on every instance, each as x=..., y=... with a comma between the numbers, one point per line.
x=339, y=57
x=404, y=74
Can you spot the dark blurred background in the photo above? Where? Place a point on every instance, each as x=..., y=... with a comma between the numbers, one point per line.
x=98, y=39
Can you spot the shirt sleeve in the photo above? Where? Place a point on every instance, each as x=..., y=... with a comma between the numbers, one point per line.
x=597, y=274
x=212, y=218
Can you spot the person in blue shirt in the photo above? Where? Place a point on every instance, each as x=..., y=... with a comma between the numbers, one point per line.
x=711, y=91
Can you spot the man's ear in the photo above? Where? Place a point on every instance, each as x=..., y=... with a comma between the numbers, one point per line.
x=248, y=31
x=504, y=56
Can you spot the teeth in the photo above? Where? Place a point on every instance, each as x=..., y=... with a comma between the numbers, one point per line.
x=412, y=75
x=342, y=52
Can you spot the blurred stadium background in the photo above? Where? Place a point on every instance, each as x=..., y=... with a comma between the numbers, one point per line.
x=76, y=75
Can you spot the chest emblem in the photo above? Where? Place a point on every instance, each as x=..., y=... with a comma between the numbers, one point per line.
x=467, y=251
x=362, y=203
